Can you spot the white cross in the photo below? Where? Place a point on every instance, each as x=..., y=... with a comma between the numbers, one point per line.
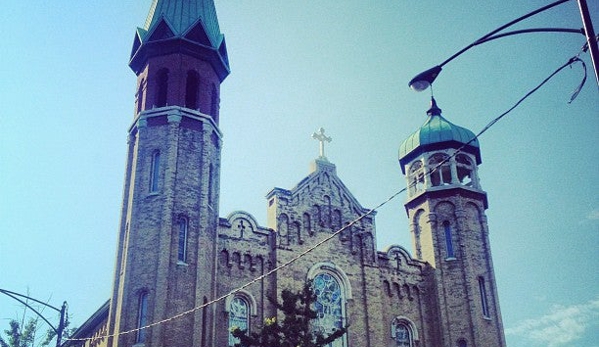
x=321, y=137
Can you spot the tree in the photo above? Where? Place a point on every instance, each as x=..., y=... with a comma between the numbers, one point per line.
x=24, y=334
x=295, y=329
x=17, y=337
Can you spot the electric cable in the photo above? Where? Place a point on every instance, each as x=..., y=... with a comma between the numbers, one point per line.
x=359, y=218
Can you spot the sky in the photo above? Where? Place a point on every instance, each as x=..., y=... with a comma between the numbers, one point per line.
x=67, y=100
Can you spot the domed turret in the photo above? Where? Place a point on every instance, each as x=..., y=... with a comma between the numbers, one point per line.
x=440, y=155
x=437, y=133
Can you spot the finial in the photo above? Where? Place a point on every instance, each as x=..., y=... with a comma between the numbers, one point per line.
x=321, y=137
x=434, y=110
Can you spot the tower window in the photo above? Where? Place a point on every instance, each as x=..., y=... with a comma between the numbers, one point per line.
x=191, y=90
x=140, y=95
x=161, y=87
x=239, y=316
x=142, y=317
x=182, y=249
x=448, y=240
x=441, y=175
x=483, y=297
x=464, y=169
x=154, y=172
x=416, y=178
x=462, y=343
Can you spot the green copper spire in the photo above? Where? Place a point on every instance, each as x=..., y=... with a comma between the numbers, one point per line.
x=175, y=26
x=181, y=15
x=438, y=133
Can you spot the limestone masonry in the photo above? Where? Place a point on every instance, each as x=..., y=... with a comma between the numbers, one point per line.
x=176, y=255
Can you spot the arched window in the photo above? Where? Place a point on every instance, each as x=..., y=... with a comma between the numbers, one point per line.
x=182, y=246
x=154, y=172
x=239, y=316
x=403, y=332
x=142, y=317
x=464, y=169
x=448, y=240
x=161, y=87
x=416, y=178
x=307, y=224
x=483, y=297
x=462, y=343
x=402, y=336
x=329, y=306
x=140, y=95
x=191, y=90
x=441, y=175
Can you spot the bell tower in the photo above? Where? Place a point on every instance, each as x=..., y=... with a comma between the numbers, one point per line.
x=167, y=240
x=446, y=209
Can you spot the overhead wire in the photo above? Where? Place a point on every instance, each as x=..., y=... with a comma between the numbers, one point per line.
x=356, y=220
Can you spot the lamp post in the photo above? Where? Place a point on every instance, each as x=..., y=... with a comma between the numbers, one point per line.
x=62, y=311
x=424, y=79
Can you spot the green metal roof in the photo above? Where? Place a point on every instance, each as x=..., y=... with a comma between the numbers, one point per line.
x=182, y=14
x=436, y=133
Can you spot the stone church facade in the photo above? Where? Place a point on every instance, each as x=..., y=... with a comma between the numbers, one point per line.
x=184, y=275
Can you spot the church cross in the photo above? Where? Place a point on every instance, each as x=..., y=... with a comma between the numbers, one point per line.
x=321, y=137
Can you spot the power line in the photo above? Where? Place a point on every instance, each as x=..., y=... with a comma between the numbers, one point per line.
x=364, y=215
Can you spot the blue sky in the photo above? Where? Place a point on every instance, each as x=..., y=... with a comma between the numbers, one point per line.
x=66, y=97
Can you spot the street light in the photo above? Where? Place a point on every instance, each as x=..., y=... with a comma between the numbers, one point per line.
x=62, y=311
x=424, y=79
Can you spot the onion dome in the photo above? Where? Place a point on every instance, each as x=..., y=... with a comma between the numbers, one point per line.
x=435, y=134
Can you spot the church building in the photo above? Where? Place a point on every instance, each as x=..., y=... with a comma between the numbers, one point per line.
x=185, y=275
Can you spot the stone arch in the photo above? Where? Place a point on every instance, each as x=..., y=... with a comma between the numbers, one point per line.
x=245, y=295
x=408, y=323
x=307, y=223
x=242, y=222
x=439, y=168
x=336, y=271
x=225, y=258
x=473, y=220
x=418, y=224
x=416, y=180
x=336, y=220
x=295, y=233
x=283, y=229
x=387, y=287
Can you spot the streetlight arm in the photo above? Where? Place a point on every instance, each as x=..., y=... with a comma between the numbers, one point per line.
x=14, y=296
x=424, y=79
x=527, y=31
x=62, y=311
x=487, y=37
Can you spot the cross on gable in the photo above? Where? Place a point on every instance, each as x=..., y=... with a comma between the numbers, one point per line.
x=321, y=137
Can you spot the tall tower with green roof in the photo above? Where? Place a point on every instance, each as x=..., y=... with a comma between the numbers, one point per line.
x=166, y=253
x=446, y=209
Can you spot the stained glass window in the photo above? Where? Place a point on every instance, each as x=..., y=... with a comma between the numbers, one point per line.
x=448, y=240
x=238, y=317
x=329, y=305
x=402, y=335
